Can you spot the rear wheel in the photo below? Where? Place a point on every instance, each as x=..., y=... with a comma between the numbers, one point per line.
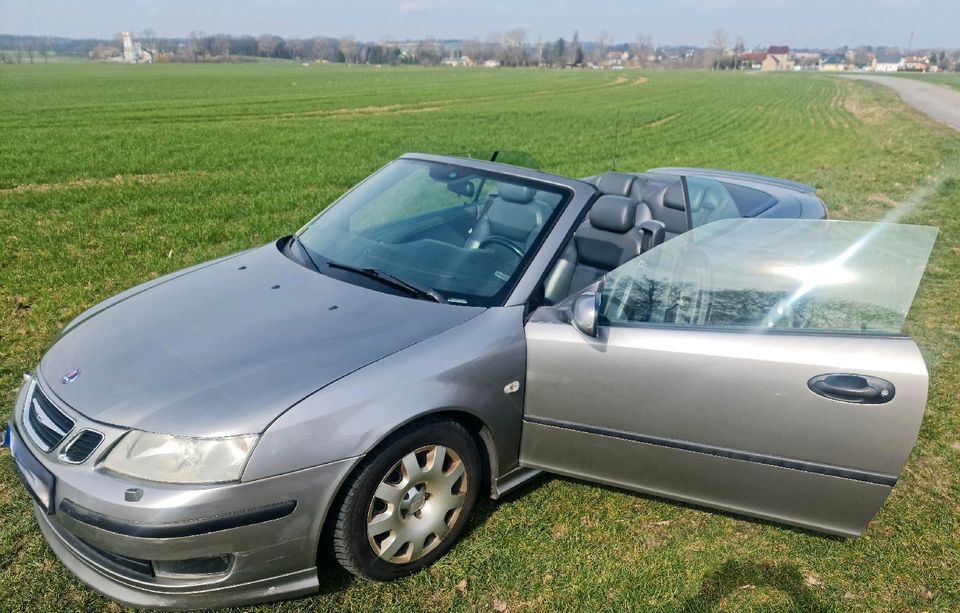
x=409, y=501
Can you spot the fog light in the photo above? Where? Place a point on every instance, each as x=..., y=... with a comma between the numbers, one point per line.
x=213, y=565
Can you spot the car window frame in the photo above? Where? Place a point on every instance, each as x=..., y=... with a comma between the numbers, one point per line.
x=571, y=188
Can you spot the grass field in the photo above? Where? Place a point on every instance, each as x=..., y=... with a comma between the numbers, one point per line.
x=111, y=175
x=950, y=79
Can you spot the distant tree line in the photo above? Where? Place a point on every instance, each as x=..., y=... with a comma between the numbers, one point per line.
x=511, y=48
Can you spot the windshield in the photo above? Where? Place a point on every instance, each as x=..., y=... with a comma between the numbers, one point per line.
x=461, y=233
x=775, y=274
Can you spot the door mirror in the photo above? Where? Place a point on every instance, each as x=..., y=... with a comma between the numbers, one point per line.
x=586, y=312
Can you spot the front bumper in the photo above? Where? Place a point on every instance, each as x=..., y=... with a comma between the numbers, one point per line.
x=267, y=529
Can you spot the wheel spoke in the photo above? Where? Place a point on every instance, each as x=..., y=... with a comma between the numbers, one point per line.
x=450, y=479
x=438, y=526
x=392, y=546
x=416, y=548
x=411, y=468
x=384, y=522
x=436, y=465
x=389, y=494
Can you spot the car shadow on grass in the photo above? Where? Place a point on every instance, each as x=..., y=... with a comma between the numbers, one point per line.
x=736, y=575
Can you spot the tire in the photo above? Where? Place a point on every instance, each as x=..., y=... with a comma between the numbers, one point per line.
x=395, y=517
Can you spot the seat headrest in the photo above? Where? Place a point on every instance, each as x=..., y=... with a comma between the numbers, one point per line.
x=673, y=197
x=613, y=214
x=520, y=194
x=615, y=183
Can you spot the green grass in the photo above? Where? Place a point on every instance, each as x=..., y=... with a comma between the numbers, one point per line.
x=950, y=79
x=111, y=175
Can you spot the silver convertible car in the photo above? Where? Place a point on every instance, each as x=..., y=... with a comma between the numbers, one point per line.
x=450, y=328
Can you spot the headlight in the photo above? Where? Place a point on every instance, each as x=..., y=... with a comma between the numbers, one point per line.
x=177, y=459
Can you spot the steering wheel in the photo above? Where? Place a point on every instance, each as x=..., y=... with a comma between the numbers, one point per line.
x=514, y=248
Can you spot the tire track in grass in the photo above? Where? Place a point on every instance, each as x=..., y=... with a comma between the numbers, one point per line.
x=136, y=179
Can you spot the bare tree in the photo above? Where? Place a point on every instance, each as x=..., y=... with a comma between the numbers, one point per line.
x=296, y=46
x=325, y=48
x=149, y=38
x=603, y=39
x=738, y=49
x=718, y=45
x=513, y=42
x=266, y=44
x=643, y=48
x=473, y=49
x=348, y=47
x=221, y=46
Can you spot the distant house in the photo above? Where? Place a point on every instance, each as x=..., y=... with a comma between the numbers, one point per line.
x=617, y=58
x=916, y=63
x=753, y=59
x=887, y=62
x=491, y=64
x=833, y=62
x=778, y=58
x=463, y=60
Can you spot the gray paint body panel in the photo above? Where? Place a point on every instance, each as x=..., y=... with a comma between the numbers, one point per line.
x=727, y=390
x=214, y=350
x=217, y=351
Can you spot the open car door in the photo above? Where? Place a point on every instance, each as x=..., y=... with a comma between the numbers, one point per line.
x=753, y=365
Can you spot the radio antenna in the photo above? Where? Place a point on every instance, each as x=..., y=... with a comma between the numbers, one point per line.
x=616, y=140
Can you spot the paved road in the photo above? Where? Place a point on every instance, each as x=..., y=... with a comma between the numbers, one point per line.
x=939, y=102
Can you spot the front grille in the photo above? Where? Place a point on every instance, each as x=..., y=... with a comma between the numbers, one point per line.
x=82, y=446
x=48, y=424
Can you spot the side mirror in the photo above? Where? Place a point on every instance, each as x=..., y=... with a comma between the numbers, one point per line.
x=586, y=312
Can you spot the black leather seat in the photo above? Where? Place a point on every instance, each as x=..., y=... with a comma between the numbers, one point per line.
x=609, y=237
x=514, y=214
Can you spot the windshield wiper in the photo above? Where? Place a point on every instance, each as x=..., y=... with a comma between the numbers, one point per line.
x=388, y=279
x=306, y=252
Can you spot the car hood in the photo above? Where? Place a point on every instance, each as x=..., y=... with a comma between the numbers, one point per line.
x=226, y=348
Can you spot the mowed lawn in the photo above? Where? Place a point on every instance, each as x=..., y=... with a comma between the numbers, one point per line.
x=111, y=175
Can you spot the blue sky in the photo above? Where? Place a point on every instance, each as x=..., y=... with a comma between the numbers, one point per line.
x=799, y=23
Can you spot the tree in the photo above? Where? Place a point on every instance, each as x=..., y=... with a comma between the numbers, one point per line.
x=221, y=46
x=603, y=39
x=738, y=49
x=718, y=44
x=266, y=44
x=643, y=48
x=149, y=38
x=348, y=47
x=325, y=48
x=560, y=51
x=513, y=42
x=577, y=49
x=296, y=47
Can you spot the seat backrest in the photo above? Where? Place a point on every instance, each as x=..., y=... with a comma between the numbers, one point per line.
x=665, y=202
x=513, y=214
x=607, y=239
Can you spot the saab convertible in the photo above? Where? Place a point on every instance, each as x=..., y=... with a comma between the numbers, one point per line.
x=448, y=329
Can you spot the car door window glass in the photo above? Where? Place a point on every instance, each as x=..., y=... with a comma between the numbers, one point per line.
x=775, y=275
x=708, y=201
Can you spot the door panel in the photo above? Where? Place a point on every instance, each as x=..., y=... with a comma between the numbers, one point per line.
x=828, y=504
x=751, y=365
x=723, y=419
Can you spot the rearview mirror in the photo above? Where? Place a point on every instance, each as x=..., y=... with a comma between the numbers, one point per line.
x=586, y=312
x=463, y=188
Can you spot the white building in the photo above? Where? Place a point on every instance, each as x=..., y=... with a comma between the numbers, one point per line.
x=887, y=62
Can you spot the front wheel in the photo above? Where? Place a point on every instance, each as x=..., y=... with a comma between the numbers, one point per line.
x=409, y=501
